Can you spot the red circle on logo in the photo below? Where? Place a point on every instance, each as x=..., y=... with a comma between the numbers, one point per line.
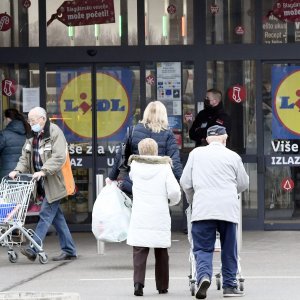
x=287, y=184
x=237, y=93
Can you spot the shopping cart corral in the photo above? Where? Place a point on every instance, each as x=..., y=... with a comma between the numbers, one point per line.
x=14, y=199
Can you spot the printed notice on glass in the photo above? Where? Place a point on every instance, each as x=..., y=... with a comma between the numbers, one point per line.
x=31, y=98
x=169, y=86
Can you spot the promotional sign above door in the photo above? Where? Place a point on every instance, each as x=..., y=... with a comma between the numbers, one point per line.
x=287, y=10
x=286, y=102
x=85, y=12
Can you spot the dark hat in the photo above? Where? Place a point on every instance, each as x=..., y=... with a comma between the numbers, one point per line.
x=216, y=130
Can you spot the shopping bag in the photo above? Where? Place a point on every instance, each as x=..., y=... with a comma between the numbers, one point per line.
x=111, y=214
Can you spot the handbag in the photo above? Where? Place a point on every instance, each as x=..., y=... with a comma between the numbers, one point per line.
x=125, y=149
x=111, y=214
x=67, y=174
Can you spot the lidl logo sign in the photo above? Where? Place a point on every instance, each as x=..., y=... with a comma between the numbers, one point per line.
x=286, y=103
x=112, y=105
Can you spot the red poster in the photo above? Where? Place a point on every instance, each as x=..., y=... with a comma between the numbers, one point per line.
x=5, y=22
x=85, y=12
x=237, y=93
x=287, y=184
x=287, y=10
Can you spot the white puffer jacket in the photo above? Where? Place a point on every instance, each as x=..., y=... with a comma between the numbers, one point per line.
x=154, y=189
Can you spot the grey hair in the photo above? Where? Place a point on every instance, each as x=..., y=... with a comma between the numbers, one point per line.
x=217, y=138
x=39, y=111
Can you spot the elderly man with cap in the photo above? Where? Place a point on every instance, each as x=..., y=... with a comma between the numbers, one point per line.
x=212, y=179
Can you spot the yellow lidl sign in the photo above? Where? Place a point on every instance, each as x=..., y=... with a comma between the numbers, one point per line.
x=112, y=105
x=286, y=106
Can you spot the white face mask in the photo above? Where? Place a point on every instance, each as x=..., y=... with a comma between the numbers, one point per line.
x=36, y=128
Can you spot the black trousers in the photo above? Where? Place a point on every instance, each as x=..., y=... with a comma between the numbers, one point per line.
x=140, y=255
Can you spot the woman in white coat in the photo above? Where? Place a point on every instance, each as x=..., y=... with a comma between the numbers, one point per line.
x=154, y=189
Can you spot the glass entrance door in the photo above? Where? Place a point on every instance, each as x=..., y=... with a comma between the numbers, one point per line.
x=92, y=105
x=281, y=127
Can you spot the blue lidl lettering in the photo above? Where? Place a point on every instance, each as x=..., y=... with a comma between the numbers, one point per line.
x=284, y=104
x=101, y=105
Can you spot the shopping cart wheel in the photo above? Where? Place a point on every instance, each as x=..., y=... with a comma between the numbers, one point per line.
x=241, y=284
x=12, y=256
x=193, y=288
x=43, y=258
x=218, y=281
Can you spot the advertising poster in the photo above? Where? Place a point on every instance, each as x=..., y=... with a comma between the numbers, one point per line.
x=286, y=102
x=169, y=91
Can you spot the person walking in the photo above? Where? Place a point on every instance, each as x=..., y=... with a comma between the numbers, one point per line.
x=212, y=179
x=212, y=114
x=43, y=155
x=155, y=188
x=12, y=139
x=153, y=125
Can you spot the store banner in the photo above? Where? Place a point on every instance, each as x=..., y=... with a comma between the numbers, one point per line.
x=113, y=104
x=85, y=12
x=286, y=10
x=286, y=102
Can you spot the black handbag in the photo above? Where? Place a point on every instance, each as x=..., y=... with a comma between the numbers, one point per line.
x=125, y=149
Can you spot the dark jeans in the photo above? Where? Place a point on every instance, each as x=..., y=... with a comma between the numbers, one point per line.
x=204, y=237
x=140, y=255
x=52, y=214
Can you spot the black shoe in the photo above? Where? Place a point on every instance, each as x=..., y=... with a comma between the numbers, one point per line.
x=138, y=289
x=64, y=256
x=29, y=253
x=165, y=291
x=203, y=287
x=232, y=292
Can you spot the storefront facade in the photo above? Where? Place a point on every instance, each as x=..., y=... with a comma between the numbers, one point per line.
x=96, y=79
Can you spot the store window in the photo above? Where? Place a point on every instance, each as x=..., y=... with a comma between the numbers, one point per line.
x=230, y=21
x=20, y=87
x=19, y=24
x=280, y=105
x=236, y=81
x=120, y=31
x=280, y=23
x=169, y=22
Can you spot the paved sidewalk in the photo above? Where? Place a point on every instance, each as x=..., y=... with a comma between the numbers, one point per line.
x=270, y=264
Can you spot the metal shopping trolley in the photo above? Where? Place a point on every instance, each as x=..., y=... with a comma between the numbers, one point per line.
x=14, y=198
x=193, y=274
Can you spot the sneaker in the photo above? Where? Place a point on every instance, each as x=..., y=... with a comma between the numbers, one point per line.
x=203, y=287
x=232, y=292
x=29, y=253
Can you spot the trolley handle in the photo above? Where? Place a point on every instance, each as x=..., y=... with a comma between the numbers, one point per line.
x=20, y=177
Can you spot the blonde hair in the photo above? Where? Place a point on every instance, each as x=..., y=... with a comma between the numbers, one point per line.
x=155, y=117
x=148, y=147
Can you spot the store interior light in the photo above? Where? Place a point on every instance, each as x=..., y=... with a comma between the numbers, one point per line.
x=183, y=31
x=120, y=26
x=71, y=31
x=165, y=26
x=97, y=30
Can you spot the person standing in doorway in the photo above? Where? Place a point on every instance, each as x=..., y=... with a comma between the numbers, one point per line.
x=212, y=179
x=12, y=139
x=43, y=155
x=154, y=189
x=212, y=114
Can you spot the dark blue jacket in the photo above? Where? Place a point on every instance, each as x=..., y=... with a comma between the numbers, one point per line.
x=167, y=146
x=12, y=139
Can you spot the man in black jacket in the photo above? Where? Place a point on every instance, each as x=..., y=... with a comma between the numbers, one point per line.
x=212, y=114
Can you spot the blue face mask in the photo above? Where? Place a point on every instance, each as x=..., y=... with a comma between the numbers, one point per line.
x=36, y=128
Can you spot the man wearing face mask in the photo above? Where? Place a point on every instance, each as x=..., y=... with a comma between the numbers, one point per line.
x=43, y=155
x=212, y=114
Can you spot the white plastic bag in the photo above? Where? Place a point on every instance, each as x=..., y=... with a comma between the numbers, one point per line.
x=111, y=214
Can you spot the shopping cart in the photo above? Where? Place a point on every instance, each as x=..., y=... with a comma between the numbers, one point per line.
x=14, y=198
x=193, y=274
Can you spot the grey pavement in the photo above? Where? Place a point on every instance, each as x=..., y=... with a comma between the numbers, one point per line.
x=270, y=263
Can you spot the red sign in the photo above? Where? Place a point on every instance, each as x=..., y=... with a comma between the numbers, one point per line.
x=150, y=80
x=288, y=10
x=287, y=184
x=5, y=22
x=171, y=9
x=214, y=9
x=237, y=93
x=8, y=87
x=26, y=3
x=239, y=30
x=85, y=12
